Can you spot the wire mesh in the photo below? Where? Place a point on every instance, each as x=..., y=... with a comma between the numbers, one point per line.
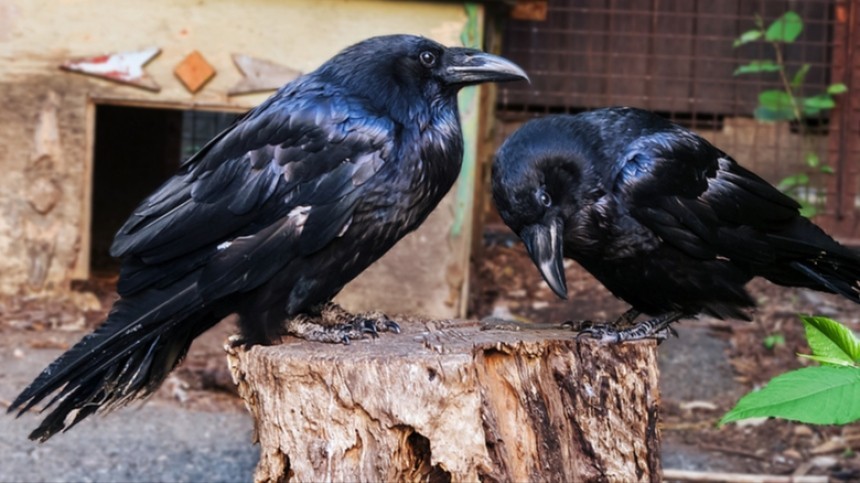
x=677, y=58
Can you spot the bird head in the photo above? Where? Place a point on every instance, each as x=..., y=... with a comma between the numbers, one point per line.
x=536, y=187
x=399, y=70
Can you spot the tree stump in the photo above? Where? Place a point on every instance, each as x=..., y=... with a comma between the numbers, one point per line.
x=446, y=400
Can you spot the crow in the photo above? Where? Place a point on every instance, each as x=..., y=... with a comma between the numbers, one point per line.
x=273, y=216
x=663, y=219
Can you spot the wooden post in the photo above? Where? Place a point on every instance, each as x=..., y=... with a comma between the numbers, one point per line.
x=445, y=400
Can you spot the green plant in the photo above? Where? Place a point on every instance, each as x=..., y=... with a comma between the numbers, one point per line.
x=788, y=103
x=825, y=394
x=773, y=340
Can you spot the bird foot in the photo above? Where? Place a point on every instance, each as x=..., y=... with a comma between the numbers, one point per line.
x=625, y=320
x=658, y=328
x=335, y=325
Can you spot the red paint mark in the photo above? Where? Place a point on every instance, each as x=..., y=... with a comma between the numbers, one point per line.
x=117, y=74
x=841, y=14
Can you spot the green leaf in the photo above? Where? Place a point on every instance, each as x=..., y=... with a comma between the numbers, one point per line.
x=799, y=76
x=774, y=98
x=826, y=169
x=828, y=338
x=758, y=66
x=812, y=159
x=799, y=179
x=773, y=340
x=815, y=395
x=821, y=101
x=763, y=113
x=807, y=209
x=747, y=37
x=785, y=29
x=810, y=111
x=838, y=88
x=827, y=360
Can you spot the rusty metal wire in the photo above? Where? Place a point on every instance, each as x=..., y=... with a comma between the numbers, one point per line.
x=676, y=57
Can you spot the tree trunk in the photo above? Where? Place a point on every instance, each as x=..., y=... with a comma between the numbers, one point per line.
x=445, y=400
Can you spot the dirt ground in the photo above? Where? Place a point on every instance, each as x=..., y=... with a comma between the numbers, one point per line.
x=703, y=371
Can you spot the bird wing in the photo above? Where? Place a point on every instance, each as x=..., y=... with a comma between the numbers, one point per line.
x=698, y=199
x=281, y=182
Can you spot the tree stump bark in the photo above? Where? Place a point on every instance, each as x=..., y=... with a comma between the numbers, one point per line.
x=445, y=400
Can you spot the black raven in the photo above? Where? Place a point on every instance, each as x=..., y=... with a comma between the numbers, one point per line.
x=274, y=216
x=666, y=221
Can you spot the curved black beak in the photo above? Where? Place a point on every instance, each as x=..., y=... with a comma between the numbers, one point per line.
x=544, y=244
x=469, y=66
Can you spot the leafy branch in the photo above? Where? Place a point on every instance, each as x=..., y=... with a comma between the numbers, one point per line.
x=825, y=394
x=787, y=103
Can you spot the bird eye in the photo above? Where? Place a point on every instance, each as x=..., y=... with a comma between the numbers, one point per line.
x=428, y=58
x=543, y=197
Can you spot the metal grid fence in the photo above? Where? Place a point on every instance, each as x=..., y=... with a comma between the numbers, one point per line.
x=676, y=57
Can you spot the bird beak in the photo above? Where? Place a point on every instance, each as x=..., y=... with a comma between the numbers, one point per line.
x=470, y=66
x=544, y=244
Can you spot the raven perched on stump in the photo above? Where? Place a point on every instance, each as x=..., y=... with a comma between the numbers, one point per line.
x=666, y=221
x=274, y=216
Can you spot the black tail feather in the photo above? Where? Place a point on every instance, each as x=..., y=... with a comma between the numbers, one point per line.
x=815, y=260
x=127, y=357
x=834, y=277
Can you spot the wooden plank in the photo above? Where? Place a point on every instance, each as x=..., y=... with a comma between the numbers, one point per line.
x=122, y=67
x=259, y=75
x=530, y=10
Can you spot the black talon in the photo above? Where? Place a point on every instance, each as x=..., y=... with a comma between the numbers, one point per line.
x=366, y=326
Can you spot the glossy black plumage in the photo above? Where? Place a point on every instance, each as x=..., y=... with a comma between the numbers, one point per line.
x=275, y=215
x=666, y=221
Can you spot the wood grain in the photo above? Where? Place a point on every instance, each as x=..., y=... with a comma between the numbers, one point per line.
x=446, y=400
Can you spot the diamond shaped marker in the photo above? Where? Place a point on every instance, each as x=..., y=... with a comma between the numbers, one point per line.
x=194, y=71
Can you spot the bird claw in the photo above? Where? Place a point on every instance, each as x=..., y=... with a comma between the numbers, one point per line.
x=367, y=327
x=601, y=332
x=359, y=328
x=335, y=325
x=392, y=326
x=661, y=335
x=658, y=328
x=375, y=322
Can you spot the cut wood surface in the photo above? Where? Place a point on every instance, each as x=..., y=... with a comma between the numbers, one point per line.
x=446, y=400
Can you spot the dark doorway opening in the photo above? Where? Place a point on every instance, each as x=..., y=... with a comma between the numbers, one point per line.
x=135, y=150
